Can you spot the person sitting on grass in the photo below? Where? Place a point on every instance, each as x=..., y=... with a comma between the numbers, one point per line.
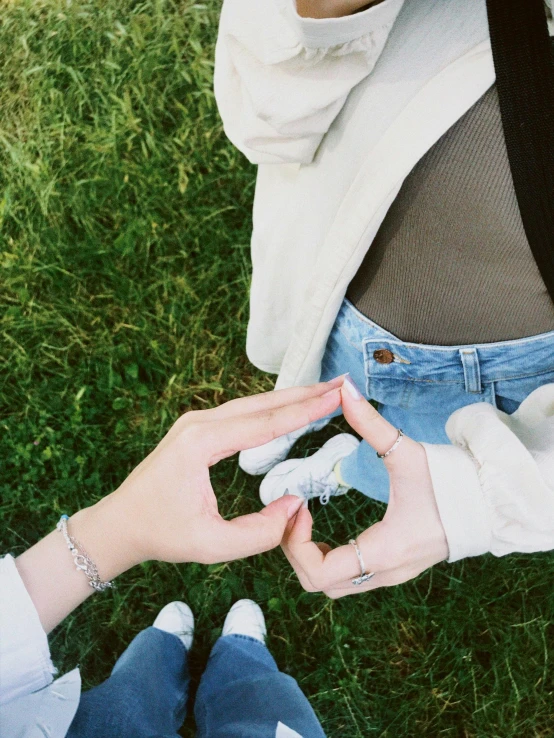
x=492, y=490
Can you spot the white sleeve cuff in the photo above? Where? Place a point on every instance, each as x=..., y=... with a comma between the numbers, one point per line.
x=325, y=32
x=25, y=663
x=462, y=507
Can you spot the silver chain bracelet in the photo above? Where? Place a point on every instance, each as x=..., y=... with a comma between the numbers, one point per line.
x=81, y=559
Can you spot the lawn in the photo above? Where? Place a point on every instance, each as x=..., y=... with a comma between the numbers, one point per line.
x=124, y=228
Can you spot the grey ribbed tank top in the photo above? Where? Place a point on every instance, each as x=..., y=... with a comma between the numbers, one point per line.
x=451, y=263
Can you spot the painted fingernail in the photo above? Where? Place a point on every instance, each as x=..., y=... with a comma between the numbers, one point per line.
x=351, y=388
x=337, y=381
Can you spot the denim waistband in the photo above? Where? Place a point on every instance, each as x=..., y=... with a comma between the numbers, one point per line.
x=473, y=364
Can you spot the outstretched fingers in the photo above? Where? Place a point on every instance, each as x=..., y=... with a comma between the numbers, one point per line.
x=272, y=400
x=244, y=406
x=225, y=437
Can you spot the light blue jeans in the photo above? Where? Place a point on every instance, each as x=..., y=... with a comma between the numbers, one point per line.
x=424, y=385
x=242, y=693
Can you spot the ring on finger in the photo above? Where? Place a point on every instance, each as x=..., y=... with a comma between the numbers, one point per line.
x=365, y=576
x=395, y=445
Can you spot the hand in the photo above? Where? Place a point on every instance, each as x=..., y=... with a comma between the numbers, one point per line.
x=167, y=510
x=331, y=8
x=408, y=540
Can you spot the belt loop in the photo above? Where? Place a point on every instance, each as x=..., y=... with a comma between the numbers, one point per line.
x=472, y=371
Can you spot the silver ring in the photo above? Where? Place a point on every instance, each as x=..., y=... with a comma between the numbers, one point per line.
x=364, y=575
x=395, y=445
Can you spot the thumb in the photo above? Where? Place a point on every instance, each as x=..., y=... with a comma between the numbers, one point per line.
x=407, y=466
x=301, y=531
x=256, y=533
x=365, y=419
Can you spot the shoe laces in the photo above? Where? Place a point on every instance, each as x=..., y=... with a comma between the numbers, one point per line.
x=322, y=488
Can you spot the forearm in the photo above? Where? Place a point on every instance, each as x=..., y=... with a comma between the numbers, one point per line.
x=49, y=574
x=331, y=8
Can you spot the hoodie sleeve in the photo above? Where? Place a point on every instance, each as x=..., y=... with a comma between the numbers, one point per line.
x=281, y=80
x=25, y=663
x=495, y=485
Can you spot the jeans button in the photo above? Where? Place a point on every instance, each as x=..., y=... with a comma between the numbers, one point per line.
x=383, y=356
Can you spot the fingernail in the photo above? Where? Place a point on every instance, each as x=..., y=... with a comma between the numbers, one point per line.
x=337, y=381
x=351, y=387
x=294, y=507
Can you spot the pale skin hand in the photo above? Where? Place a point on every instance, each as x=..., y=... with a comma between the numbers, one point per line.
x=408, y=540
x=166, y=510
x=331, y=8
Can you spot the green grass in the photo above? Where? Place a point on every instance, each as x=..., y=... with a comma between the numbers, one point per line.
x=124, y=226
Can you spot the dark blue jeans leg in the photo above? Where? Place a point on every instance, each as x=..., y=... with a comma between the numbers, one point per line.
x=244, y=695
x=146, y=694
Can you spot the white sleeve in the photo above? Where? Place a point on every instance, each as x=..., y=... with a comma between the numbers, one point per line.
x=25, y=664
x=281, y=80
x=495, y=486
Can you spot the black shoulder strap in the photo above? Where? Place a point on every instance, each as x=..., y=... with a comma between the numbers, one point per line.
x=525, y=82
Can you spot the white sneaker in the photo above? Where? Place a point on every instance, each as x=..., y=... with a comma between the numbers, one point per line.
x=311, y=477
x=177, y=618
x=261, y=459
x=245, y=618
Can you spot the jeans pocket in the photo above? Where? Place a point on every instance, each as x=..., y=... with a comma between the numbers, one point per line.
x=393, y=392
x=441, y=398
x=419, y=381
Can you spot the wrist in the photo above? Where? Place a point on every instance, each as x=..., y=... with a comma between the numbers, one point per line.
x=105, y=533
x=48, y=569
